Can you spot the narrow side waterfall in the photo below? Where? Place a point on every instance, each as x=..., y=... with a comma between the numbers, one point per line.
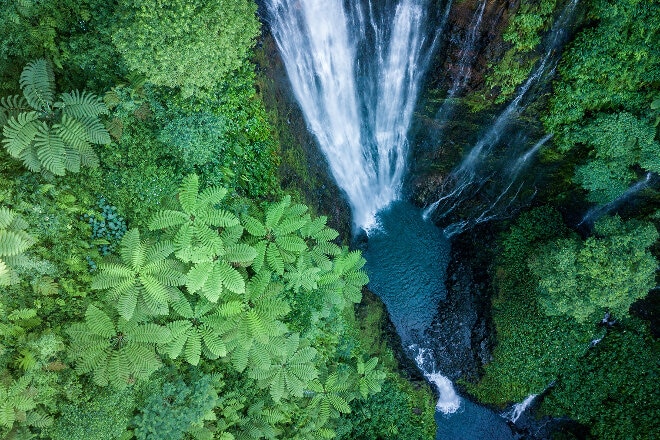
x=600, y=210
x=355, y=69
x=468, y=179
x=466, y=58
x=519, y=408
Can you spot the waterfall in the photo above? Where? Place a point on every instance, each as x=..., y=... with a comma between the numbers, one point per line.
x=448, y=401
x=355, y=70
x=600, y=210
x=519, y=408
x=466, y=58
x=466, y=181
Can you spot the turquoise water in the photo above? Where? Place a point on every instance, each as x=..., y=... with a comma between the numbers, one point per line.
x=407, y=260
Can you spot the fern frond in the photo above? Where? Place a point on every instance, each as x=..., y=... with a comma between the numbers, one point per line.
x=291, y=243
x=99, y=322
x=38, y=83
x=240, y=253
x=231, y=278
x=166, y=219
x=188, y=193
x=132, y=249
x=289, y=225
x=19, y=132
x=276, y=211
x=12, y=106
x=14, y=242
x=218, y=218
x=193, y=350
x=274, y=259
x=212, y=196
x=81, y=105
x=253, y=226
x=50, y=150
x=150, y=333
x=73, y=133
x=96, y=131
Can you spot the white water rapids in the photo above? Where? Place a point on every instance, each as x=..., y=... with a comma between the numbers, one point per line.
x=355, y=70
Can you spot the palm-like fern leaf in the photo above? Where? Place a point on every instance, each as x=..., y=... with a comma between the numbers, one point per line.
x=194, y=227
x=12, y=106
x=19, y=132
x=50, y=150
x=81, y=105
x=38, y=84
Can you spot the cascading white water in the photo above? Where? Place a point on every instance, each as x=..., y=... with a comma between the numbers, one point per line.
x=448, y=401
x=466, y=180
x=355, y=71
x=519, y=408
x=466, y=58
x=600, y=210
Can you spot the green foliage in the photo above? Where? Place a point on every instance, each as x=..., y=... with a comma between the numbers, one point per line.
x=610, y=66
x=103, y=416
x=197, y=334
x=13, y=242
x=187, y=45
x=532, y=348
x=523, y=35
x=607, y=272
x=616, y=386
x=144, y=280
x=16, y=399
x=621, y=144
x=390, y=414
x=291, y=371
x=178, y=408
x=56, y=135
x=118, y=352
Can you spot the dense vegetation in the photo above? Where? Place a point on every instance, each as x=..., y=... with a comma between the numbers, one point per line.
x=156, y=282
x=563, y=292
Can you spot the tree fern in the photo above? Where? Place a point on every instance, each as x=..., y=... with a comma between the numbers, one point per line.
x=249, y=333
x=144, y=279
x=16, y=399
x=116, y=351
x=370, y=379
x=197, y=334
x=56, y=136
x=195, y=226
x=330, y=397
x=291, y=371
x=278, y=241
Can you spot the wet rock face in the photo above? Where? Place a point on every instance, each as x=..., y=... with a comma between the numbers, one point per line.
x=303, y=167
x=489, y=44
x=460, y=328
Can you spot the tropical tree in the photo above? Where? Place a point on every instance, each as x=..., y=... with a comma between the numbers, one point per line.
x=190, y=45
x=116, y=351
x=55, y=136
x=607, y=272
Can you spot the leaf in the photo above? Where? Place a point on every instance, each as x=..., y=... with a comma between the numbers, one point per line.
x=167, y=219
x=19, y=133
x=339, y=403
x=253, y=226
x=151, y=333
x=274, y=259
x=50, y=150
x=240, y=253
x=14, y=242
x=193, y=348
x=231, y=278
x=38, y=83
x=82, y=105
x=188, y=193
x=99, y=322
